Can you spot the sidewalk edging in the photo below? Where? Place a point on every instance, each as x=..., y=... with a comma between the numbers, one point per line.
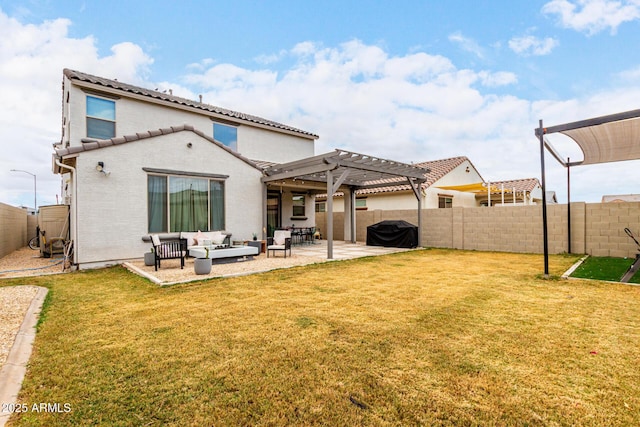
x=15, y=368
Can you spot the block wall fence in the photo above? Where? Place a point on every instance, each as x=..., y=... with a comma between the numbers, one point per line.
x=596, y=228
x=14, y=228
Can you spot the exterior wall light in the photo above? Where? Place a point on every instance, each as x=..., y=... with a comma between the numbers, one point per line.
x=100, y=168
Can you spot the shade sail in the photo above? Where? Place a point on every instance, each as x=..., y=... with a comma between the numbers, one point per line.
x=609, y=142
x=479, y=187
x=603, y=139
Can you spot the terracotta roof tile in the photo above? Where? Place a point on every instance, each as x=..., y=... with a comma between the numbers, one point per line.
x=95, y=144
x=437, y=169
x=114, y=84
x=525, y=184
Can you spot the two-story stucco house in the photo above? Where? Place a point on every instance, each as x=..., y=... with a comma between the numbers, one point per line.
x=136, y=161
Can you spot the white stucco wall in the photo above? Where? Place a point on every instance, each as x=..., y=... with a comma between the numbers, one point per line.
x=287, y=211
x=133, y=115
x=112, y=210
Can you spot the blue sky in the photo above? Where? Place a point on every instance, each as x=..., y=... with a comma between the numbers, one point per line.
x=406, y=80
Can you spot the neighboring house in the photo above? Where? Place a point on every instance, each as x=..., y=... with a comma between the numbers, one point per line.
x=453, y=182
x=136, y=161
x=527, y=191
x=621, y=198
x=445, y=172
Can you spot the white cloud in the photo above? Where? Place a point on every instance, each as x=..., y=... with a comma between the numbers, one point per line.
x=593, y=16
x=32, y=58
x=531, y=45
x=410, y=107
x=631, y=76
x=467, y=44
x=501, y=78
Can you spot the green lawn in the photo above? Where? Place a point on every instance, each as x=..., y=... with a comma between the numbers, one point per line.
x=605, y=268
x=417, y=338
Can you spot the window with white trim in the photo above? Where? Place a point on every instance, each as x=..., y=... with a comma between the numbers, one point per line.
x=226, y=135
x=101, y=118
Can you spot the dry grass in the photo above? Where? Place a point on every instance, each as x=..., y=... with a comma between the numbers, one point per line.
x=425, y=337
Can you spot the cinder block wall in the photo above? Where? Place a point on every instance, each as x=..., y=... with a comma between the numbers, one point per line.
x=596, y=229
x=13, y=229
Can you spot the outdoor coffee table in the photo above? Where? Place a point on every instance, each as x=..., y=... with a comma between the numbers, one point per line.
x=230, y=254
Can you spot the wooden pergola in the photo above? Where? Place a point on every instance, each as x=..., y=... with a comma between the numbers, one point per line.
x=347, y=171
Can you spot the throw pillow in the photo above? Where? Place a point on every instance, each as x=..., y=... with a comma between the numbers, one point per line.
x=218, y=237
x=198, y=238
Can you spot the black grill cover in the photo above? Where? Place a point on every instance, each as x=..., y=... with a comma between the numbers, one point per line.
x=393, y=234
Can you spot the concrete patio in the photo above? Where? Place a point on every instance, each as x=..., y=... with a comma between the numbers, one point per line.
x=171, y=273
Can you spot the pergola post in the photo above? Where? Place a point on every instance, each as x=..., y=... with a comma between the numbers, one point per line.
x=350, y=215
x=329, y=214
x=352, y=191
x=419, y=216
x=264, y=211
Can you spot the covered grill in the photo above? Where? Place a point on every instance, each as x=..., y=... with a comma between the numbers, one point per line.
x=392, y=234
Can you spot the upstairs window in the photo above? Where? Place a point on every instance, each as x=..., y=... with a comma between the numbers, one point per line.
x=226, y=135
x=445, y=202
x=101, y=118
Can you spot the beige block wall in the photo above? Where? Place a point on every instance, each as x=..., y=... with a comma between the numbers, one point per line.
x=13, y=229
x=596, y=229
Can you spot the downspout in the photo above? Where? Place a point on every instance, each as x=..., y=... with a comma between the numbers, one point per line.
x=74, y=201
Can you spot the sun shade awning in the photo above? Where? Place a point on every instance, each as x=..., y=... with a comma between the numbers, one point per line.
x=479, y=187
x=605, y=139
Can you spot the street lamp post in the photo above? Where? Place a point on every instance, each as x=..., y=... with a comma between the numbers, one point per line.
x=35, y=197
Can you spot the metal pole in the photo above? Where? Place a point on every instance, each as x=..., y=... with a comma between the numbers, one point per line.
x=540, y=132
x=419, y=215
x=568, y=205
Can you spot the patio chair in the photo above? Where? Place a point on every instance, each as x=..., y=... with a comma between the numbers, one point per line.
x=281, y=241
x=170, y=249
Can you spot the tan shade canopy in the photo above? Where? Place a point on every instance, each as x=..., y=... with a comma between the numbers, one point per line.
x=610, y=142
x=478, y=188
x=603, y=139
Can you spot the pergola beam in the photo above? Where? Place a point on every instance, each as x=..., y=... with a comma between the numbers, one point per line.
x=299, y=173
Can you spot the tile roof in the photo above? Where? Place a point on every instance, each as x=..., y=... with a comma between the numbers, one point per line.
x=114, y=84
x=94, y=144
x=437, y=169
x=525, y=184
